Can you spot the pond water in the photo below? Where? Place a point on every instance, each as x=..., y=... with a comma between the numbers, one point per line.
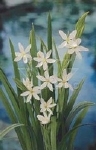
x=16, y=25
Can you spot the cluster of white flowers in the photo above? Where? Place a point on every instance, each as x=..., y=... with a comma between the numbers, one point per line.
x=72, y=43
x=46, y=107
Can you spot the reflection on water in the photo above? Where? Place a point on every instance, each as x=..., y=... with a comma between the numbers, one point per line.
x=64, y=16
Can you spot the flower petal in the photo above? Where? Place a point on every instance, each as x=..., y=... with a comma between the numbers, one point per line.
x=40, y=54
x=25, y=93
x=49, y=101
x=49, y=85
x=29, y=98
x=41, y=78
x=45, y=66
x=21, y=48
x=78, y=41
x=71, y=51
x=40, y=117
x=72, y=35
x=69, y=76
x=59, y=85
x=78, y=54
x=66, y=85
x=50, y=60
x=25, y=60
x=63, y=44
x=39, y=64
x=46, y=74
x=48, y=54
x=63, y=35
x=43, y=85
x=36, y=96
x=18, y=58
x=17, y=54
x=82, y=48
x=53, y=79
x=36, y=89
x=28, y=48
x=37, y=59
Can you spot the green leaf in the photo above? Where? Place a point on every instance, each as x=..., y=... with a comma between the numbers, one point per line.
x=66, y=61
x=58, y=60
x=71, y=62
x=63, y=144
x=80, y=25
x=53, y=133
x=19, y=84
x=49, y=42
x=32, y=116
x=33, y=52
x=44, y=46
x=77, y=122
x=46, y=137
x=73, y=98
x=8, y=129
x=10, y=91
x=49, y=38
x=76, y=110
x=12, y=116
x=17, y=76
x=8, y=106
x=15, y=65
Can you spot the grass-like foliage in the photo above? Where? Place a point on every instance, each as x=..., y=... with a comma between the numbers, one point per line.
x=41, y=99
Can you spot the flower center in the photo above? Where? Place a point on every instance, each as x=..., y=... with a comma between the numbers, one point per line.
x=64, y=81
x=44, y=60
x=45, y=106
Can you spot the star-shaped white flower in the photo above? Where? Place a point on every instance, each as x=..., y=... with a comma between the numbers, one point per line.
x=63, y=82
x=46, y=106
x=47, y=80
x=43, y=60
x=28, y=84
x=32, y=91
x=23, y=54
x=75, y=47
x=67, y=38
x=44, y=119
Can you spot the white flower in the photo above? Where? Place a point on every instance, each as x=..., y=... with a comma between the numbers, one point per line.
x=47, y=80
x=23, y=54
x=45, y=106
x=67, y=38
x=74, y=47
x=44, y=60
x=28, y=84
x=44, y=119
x=32, y=91
x=64, y=81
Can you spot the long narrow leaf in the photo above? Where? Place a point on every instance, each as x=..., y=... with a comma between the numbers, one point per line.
x=63, y=143
x=49, y=42
x=8, y=129
x=58, y=60
x=73, y=98
x=9, y=90
x=77, y=122
x=15, y=65
x=76, y=110
x=49, y=38
x=53, y=133
x=33, y=52
x=8, y=106
x=80, y=25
